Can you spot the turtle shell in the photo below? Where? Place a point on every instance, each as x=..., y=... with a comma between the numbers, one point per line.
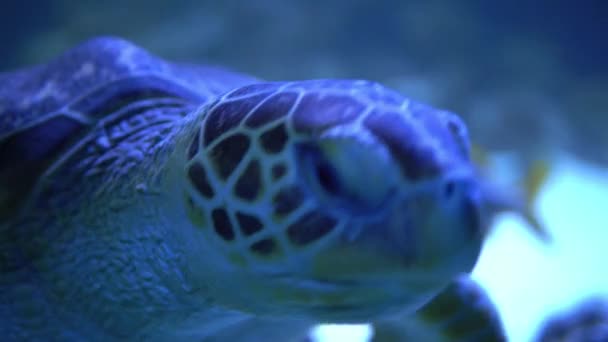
x=46, y=109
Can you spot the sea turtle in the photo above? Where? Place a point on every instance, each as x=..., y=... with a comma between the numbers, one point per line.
x=143, y=199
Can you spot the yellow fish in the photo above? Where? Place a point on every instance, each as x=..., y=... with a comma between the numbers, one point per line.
x=519, y=197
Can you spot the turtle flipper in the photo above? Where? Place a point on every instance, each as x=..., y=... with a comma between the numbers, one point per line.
x=462, y=312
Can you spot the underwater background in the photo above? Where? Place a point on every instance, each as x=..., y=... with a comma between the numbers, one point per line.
x=530, y=78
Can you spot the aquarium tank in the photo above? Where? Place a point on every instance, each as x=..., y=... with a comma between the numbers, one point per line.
x=521, y=86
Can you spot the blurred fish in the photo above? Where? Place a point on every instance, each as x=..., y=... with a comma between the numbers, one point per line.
x=514, y=196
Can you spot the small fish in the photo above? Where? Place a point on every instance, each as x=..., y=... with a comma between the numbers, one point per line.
x=518, y=196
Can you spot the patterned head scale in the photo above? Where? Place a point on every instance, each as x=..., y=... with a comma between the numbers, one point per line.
x=294, y=177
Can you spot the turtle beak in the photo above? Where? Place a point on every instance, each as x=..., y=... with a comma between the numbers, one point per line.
x=447, y=226
x=433, y=225
x=473, y=216
x=435, y=230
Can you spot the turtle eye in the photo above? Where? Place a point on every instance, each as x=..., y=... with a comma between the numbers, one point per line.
x=345, y=175
x=319, y=172
x=327, y=177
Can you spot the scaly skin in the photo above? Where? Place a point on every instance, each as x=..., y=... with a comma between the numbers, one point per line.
x=120, y=273
x=179, y=231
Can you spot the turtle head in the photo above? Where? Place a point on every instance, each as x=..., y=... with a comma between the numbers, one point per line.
x=333, y=200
